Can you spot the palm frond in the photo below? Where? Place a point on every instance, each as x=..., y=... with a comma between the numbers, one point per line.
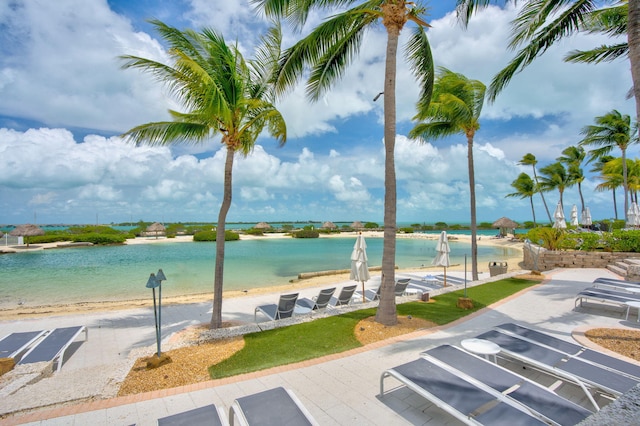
x=168, y=132
x=604, y=53
x=466, y=8
x=418, y=51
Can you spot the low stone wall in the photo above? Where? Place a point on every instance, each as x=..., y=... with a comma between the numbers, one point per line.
x=548, y=260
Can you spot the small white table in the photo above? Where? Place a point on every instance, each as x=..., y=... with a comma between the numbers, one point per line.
x=412, y=291
x=633, y=304
x=481, y=347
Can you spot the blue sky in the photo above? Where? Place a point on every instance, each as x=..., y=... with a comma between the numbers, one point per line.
x=64, y=100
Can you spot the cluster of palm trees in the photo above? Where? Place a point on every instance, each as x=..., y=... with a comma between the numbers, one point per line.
x=610, y=131
x=224, y=95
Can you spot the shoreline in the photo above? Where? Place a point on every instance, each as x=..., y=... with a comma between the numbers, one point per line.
x=24, y=312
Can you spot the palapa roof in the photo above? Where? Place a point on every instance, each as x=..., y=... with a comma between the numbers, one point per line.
x=262, y=225
x=329, y=225
x=27, y=230
x=357, y=224
x=156, y=227
x=505, y=222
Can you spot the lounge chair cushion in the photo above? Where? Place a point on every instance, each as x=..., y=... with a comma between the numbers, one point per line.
x=207, y=415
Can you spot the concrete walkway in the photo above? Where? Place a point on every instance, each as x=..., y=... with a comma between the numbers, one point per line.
x=341, y=389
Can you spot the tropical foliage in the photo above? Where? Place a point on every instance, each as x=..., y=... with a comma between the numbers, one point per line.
x=525, y=188
x=222, y=95
x=455, y=109
x=328, y=50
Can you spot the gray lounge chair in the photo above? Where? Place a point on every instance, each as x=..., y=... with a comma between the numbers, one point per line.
x=616, y=283
x=207, y=415
x=462, y=399
x=344, y=298
x=321, y=301
x=582, y=373
x=284, y=308
x=399, y=289
x=541, y=401
x=273, y=407
x=53, y=347
x=14, y=344
x=572, y=349
x=603, y=295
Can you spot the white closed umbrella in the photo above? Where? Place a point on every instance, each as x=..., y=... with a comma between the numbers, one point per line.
x=359, y=266
x=558, y=218
x=442, y=256
x=574, y=215
x=633, y=216
x=585, y=220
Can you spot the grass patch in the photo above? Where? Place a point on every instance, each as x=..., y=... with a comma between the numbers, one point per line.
x=335, y=334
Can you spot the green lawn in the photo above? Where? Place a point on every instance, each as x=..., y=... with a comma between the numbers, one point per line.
x=334, y=334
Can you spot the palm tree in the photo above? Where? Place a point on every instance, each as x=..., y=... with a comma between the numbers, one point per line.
x=328, y=50
x=610, y=170
x=541, y=23
x=573, y=156
x=222, y=95
x=611, y=21
x=609, y=182
x=525, y=188
x=609, y=131
x=455, y=109
x=555, y=176
x=530, y=160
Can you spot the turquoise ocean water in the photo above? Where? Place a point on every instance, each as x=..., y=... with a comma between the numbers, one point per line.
x=83, y=274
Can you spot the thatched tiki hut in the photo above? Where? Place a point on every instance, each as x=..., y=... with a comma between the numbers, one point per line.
x=26, y=231
x=357, y=225
x=329, y=225
x=505, y=225
x=263, y=225
x=156, y=228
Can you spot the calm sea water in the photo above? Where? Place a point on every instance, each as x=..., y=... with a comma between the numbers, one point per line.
x=112, y=273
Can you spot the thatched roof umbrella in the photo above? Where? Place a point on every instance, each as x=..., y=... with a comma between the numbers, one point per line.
x=263, y=225
x=329, y=225
x=505, y=224
x=26, y=231
x=357, y=225
x=156, y=228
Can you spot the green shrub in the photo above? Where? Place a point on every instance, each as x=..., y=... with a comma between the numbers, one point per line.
x=549, y=238
x=627, y=241
x=306, y=233
x=440, y=225
x=254, y=231
x=48, y=238
x=101, y=239
x=211, y=236
x=406, y=230
x=371, y=225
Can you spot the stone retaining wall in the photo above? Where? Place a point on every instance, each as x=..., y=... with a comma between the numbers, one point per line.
x=548, y=260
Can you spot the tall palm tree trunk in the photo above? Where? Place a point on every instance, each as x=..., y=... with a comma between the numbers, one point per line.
x=633, y=39
x=533, y=211
x=535, y=176
x=216, y=316
x=386, y=313
x=472, y=198
x=581, y=197
x=615, y=204
x=625, y=182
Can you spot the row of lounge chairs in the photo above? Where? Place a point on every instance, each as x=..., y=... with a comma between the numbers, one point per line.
x=613, y=291
x=289, y=304
x=273, y=407
x=477, y=391
x=40, y=346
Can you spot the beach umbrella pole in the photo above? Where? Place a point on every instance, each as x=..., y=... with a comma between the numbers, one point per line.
x=445, y=276
x=364, y=299
x=155, y=316
x=465, y=275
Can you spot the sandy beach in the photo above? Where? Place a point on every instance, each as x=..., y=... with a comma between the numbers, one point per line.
x=286, y=286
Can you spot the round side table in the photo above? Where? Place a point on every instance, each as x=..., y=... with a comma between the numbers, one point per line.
x=482, y=347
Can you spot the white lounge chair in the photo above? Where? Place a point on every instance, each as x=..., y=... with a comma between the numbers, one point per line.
x=53, y=346
x=273, y=407
x=284, y=308
x=344, y=298
x=207, y=415
x=321, y=301
x=14, y=344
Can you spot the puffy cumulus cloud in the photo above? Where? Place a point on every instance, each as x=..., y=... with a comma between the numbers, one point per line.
x=350, y=191
x=59, y=65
